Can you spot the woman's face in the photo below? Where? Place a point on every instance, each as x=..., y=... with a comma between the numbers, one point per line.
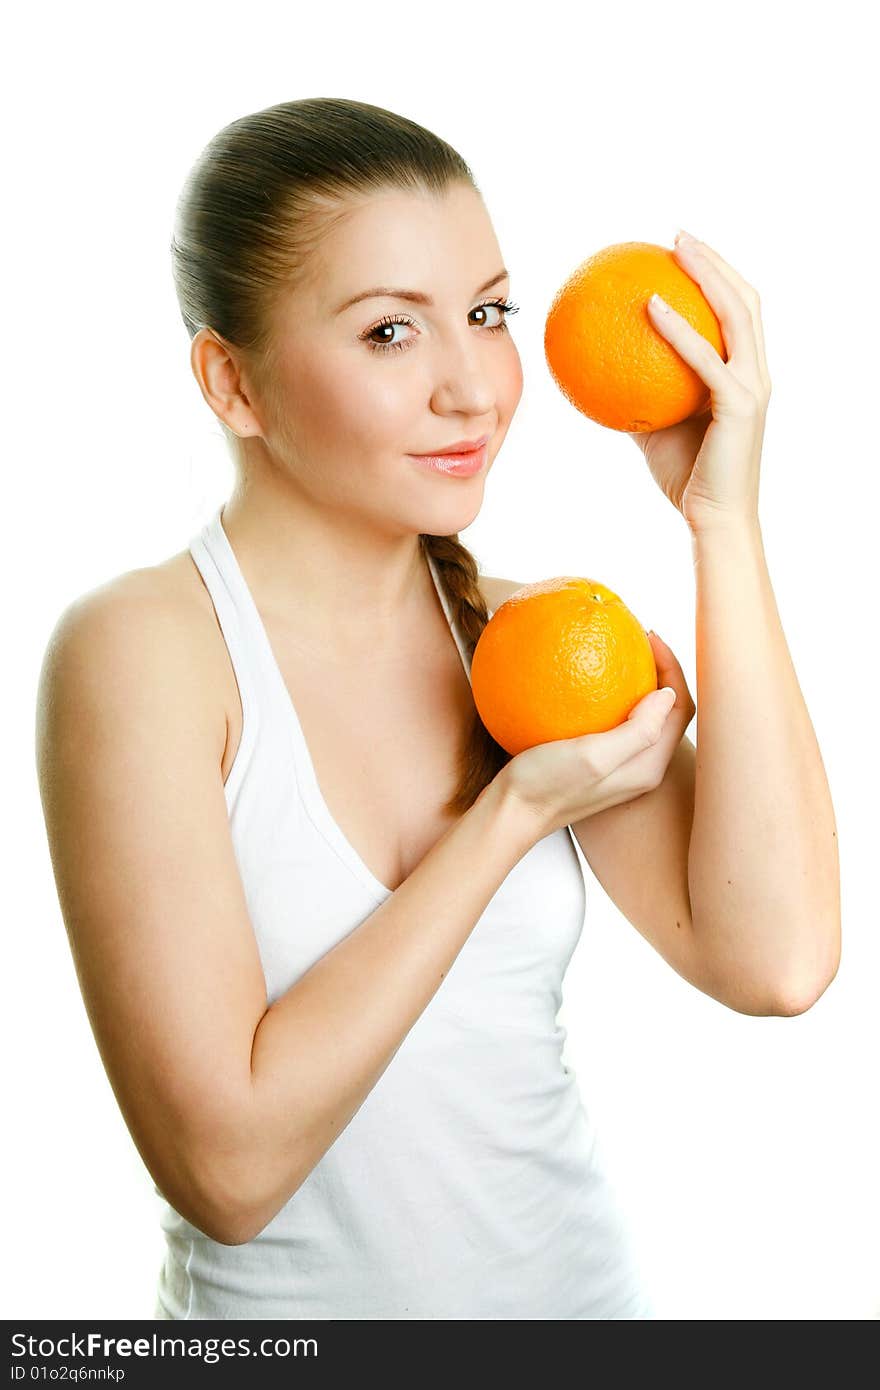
x=352, y=399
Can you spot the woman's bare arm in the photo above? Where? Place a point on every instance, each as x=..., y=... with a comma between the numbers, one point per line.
x=230, y=1103
x=321, y=1047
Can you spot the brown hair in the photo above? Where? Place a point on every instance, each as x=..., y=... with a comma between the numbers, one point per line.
x=253, y=206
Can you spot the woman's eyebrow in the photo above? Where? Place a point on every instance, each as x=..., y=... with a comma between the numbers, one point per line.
x=383, y=292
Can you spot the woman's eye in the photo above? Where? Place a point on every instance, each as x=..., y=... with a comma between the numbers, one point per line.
x=386, y=330
x=390, y=343
x=499, y=308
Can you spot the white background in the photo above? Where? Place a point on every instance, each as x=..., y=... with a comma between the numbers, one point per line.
x=746, y=1149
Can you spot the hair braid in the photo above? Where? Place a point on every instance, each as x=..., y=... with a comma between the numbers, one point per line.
x=481, y=756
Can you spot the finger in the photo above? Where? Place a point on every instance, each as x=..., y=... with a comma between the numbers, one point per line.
x=696, y=350
x=668, y=665
x=642, y=767
x=642, y=728
x=747, y=293
x=743, y=288
x=669, y=671
x=729, y=305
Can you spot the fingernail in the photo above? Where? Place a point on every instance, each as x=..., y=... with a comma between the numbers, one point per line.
x=684, y=237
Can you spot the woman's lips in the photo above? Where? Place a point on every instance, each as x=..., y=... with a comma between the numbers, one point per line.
x=456, y=465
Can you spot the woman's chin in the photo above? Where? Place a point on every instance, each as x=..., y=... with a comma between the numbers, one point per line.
x=449, y=520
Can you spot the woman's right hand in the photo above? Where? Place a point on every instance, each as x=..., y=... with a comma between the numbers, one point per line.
x=566, y=779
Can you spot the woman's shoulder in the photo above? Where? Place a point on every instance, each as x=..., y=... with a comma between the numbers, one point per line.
x=165, y=600
x=174, y=582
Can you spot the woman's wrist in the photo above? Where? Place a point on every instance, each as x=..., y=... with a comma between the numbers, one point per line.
x=512, y=817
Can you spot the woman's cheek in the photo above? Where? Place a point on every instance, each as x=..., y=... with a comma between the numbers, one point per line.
x=512, y=387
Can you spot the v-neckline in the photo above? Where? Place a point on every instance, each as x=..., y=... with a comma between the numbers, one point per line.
x=307, y=779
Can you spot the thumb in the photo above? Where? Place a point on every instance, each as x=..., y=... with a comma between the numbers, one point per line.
x=656, y=704
x=642, y=727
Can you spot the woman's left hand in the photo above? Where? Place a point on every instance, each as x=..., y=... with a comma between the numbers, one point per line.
x=709, y=465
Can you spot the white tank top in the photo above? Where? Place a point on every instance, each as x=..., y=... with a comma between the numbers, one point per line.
x=470, y=1184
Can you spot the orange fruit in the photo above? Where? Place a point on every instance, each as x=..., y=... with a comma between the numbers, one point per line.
x=606, y=355
x=559, y=658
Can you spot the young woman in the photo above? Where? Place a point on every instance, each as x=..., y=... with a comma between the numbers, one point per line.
x=320, y=918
